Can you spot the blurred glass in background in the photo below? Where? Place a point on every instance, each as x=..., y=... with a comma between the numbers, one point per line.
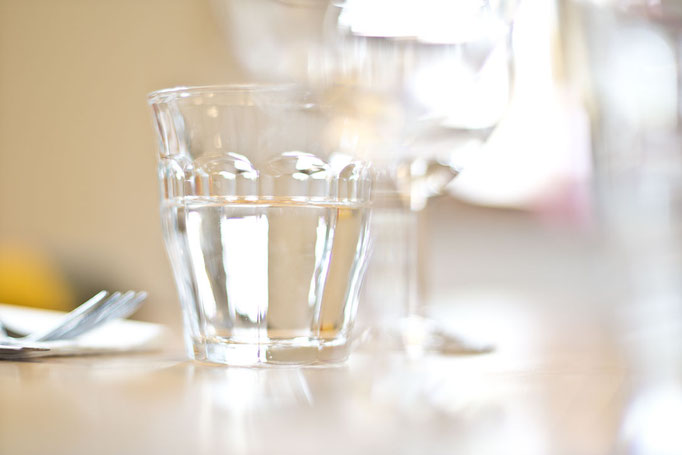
x=439, y=74
x=624, y=59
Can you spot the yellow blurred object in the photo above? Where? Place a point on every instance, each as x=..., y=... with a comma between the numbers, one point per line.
x=29, y=277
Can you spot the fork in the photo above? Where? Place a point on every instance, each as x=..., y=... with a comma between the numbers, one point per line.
x=96, y=311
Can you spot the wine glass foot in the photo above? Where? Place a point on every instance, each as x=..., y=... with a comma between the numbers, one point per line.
x=422, y=335
x=417, y=336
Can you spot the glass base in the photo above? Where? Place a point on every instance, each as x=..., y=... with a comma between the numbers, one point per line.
x=280, y=352
x=419, y=335
x=416, y=335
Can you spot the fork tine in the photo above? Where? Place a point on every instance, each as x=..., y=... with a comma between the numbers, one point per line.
x=68, y=318
x=120, y=309
x=129, y=307
x=74, y=318
x=99, y=317
x=98, y=310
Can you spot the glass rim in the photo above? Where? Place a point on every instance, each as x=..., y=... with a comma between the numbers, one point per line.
x=167, y=95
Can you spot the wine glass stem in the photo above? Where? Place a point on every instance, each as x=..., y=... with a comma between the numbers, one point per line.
x=417, y=253
x=394, y=288
x=412, y=265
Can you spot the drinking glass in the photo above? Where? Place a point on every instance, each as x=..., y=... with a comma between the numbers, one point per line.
x=265, y=217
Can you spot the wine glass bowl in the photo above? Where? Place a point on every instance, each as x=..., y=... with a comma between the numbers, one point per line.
x=446, y=65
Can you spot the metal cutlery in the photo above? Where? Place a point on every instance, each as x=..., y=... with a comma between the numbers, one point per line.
x=101, y=308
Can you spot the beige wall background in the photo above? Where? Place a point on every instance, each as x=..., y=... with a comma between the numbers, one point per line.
x=77, y=146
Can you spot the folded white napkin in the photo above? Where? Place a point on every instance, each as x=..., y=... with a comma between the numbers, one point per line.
x=114, y=337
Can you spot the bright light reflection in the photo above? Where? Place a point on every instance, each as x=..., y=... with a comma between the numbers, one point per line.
x=429, y=21
x=652, y=422
x=245, y=258
x=321, y=237
x=465, y=96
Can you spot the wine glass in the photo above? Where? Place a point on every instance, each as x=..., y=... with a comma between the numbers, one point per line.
x=425, y=83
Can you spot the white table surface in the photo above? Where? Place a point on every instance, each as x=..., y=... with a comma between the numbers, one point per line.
x=562, y=380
